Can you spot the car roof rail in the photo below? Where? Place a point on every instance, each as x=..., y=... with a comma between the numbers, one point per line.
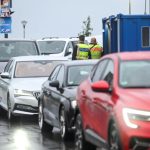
x=49, y=38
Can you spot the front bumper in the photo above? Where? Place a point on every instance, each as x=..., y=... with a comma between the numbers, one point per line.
x=27, y=105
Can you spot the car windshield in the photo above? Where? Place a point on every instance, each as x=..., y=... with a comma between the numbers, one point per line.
x=51, y=47
x=27, y=69
x=76, y=74
x=10, y=49
x=135, y=74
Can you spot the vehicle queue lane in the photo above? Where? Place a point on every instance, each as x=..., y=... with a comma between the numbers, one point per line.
x=23, y=133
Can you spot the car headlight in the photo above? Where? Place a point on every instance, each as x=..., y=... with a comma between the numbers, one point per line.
x=19, y=92
x=74, y=104
x=129, y=115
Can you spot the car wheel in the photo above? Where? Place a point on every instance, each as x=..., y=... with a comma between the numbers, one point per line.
x=63, y=124
x=42, y=124
x=80, y=142
x=114, y=141
x=9, y=114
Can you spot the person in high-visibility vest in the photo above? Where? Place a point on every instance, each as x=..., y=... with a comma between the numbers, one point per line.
x=81, y=50
x=95, y=49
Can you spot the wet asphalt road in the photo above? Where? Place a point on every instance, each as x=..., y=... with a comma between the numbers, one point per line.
x=23, y=133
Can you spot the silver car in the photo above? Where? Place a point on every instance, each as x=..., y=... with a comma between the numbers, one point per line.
x=20, y=83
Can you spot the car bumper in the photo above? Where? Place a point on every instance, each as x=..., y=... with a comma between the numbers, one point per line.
x=25, y=105
x=135, y=139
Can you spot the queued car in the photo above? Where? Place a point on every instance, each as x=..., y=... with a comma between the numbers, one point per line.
x=114, y=104
x=56, y=46
x=20, y=83
x=16, y=47
x=57, y=103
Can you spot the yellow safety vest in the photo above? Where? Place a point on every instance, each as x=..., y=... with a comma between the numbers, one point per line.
x=82, y=52
x=96, y=51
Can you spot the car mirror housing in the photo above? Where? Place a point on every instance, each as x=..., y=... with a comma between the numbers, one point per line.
x=5, y=75
x=54, y=84
x=101, y=85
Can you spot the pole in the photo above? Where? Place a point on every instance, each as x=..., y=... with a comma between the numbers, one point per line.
x=129, y=7
x=24, y=22
x=24, y=36
x=149, y=6
x=145, y=8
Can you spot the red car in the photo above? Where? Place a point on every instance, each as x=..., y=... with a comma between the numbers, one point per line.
x=114, y=104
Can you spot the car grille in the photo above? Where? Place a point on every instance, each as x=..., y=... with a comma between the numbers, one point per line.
x=140, y=144
x=26, y=108
x=36, y=94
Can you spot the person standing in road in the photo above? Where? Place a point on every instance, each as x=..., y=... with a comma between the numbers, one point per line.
x=95, y=49
x=81, y=50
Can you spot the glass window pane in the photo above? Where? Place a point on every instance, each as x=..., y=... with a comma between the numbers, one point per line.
x=26, y=69
x=145, y=36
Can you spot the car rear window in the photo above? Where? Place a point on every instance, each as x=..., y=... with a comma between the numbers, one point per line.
x=28, y=69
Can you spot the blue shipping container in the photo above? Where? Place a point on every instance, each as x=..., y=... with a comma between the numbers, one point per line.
x=126, y=33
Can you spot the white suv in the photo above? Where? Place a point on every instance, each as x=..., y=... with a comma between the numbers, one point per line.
x=57, y=46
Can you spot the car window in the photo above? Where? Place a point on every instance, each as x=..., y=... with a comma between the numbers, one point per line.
x=10, y=49
x=51, y=47
x=69, y=45
x=60, y=76
x=38, y=68
x=77, y=74
x=54, y=73
x=97, y=73
x=134, y=74
x=8, y=65
x=108, y=73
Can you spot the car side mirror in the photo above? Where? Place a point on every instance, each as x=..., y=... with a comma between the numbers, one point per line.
x=5, y=75
x=70, y=50
x=54, y=84
x=101, y=86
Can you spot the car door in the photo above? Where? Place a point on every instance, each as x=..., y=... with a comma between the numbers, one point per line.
x=5, y=84
x=47, y=95
x=56, y=95
x=102, y=103
x=87, y=93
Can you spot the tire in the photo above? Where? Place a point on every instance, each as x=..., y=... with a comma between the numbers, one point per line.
x=42, y=124
x=113, y=138
x=63, y=124
x=80, y=142
x=9, y=114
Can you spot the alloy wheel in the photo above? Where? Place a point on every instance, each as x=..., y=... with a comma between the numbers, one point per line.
x=114, y=138
x=63, y=124
x=40, y=115
x=9, y=108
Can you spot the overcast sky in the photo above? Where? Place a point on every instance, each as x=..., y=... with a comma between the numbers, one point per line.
x=64, y=18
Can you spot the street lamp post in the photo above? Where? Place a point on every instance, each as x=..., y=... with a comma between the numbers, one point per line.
x=24, y=22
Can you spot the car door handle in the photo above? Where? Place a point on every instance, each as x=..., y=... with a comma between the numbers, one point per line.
x=48, y=93
x=83, y=95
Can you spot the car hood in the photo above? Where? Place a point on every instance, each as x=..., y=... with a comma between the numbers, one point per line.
x=135, y=98
x=29, y=84
x=70, y=92
x=2, y=66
